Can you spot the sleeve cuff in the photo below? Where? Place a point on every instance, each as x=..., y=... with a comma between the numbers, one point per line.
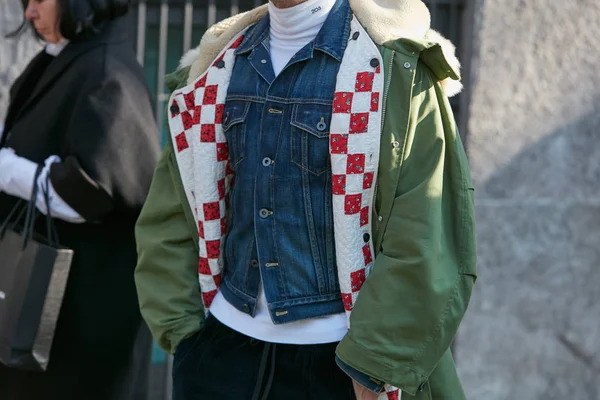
x=368, y=382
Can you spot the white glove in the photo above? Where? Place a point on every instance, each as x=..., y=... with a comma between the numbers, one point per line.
x=16, y=174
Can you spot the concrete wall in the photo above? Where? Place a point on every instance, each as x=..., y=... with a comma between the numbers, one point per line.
x=533, y=330
x=14, y=53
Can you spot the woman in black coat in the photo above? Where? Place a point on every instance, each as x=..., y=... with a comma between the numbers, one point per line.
x=82, y=110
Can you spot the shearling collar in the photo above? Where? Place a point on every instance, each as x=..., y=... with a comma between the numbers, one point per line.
x=384, y=20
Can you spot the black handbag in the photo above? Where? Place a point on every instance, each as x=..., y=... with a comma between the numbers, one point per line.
x=33, y=275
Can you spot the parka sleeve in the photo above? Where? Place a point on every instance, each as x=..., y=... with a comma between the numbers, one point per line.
x=409, y=309
x=166, y=275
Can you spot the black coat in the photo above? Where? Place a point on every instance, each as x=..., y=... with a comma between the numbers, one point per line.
x=90, y=106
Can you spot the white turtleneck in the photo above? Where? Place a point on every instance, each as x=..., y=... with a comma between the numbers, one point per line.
x=293, y=28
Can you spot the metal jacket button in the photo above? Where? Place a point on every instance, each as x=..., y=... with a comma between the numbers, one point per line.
x=264, y=213
x=246, y=308
x=321, y=126
x=407, y=65
x=267, y=161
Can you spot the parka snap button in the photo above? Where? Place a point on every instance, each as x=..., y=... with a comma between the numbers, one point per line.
x=366, y=237
x=175, y=108
x=355, y=35
x=396, y=144
x=374, y=63
x=380, y=218
x=407, y=65
x=221, y=64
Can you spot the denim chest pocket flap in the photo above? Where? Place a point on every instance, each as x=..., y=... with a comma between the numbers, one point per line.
x=234, y=118
x=310, y=137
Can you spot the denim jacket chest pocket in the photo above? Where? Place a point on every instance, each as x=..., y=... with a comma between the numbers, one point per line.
x=234, y=127
x=310, y=128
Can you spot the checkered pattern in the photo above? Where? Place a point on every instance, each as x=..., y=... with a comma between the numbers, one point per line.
x=354, y=147
x=196, y=118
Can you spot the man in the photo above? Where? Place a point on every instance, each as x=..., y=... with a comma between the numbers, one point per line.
x=315, y=186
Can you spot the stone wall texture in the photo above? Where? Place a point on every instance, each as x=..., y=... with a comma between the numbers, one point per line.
x=14, y=53
x=533, y=330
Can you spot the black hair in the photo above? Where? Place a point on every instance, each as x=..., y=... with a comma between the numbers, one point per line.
x=81, y=17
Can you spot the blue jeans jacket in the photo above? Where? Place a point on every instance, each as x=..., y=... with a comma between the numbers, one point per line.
x=281, y=222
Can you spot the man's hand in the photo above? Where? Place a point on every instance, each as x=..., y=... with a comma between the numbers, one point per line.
x=363, y=393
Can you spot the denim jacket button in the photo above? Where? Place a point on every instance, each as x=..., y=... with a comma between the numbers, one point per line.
x=254, y=263
x=264, y=213
x=246, y=308
x=267, y=161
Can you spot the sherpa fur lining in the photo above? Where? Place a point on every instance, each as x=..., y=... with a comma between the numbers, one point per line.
x=384, y=20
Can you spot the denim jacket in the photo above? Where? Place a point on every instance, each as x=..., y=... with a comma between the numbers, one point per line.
x=277, y=130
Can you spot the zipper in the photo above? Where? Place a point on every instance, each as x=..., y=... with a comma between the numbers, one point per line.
x=386, y=89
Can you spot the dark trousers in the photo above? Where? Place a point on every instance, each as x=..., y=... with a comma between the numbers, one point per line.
x=219, y=363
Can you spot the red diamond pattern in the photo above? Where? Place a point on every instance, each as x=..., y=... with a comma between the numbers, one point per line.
x=219, y=111
x=342, y=102
x=211, y=211
x=208, y=297
x=181, y=141
x=213, y=249
x=187, y=120
x=367, y=253
x=347, y=299
x=338, y=183
x=357, y=278
x=222, y=151
x=190, y=99
x=217, y=279
x=339, y=144
x=364, y=216
x=364, y=81
x=374, y=102
x=201, y=229
x=359, y=123
x=393, y=395
x=221, y=187
x=201, y=82
x=203, y=267
x=210, y=94
x=368, y=180
x=237, y=43
x=208, y=134
x=223, y=225
x=352, y=204
x=355, y=164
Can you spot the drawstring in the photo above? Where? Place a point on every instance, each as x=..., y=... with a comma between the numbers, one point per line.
x=262, y=369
